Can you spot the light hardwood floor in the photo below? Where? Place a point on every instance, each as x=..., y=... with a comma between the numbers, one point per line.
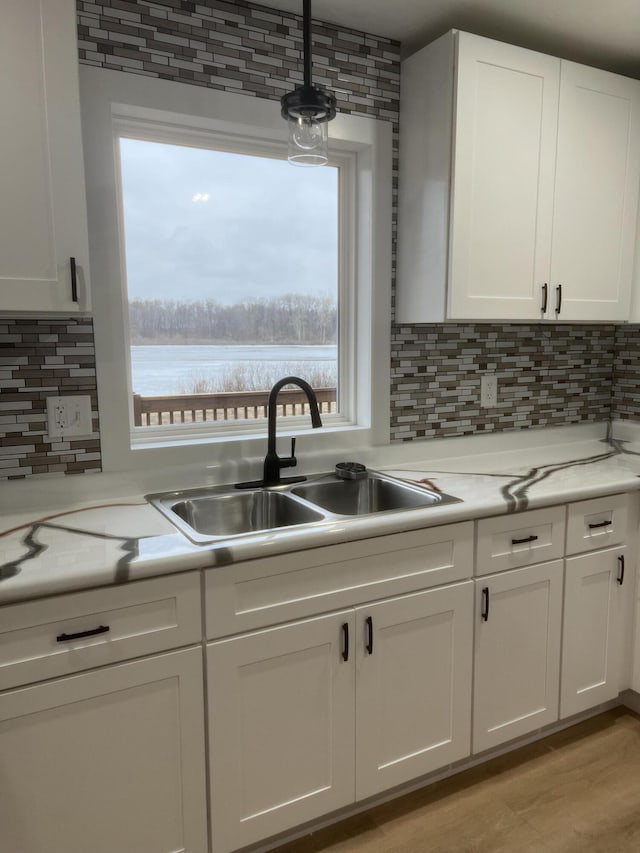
x=577, y=791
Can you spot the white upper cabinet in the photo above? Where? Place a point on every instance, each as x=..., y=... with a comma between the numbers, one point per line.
x=596, y=194
x=506, y=114
x=43, y=221
x=518, y=186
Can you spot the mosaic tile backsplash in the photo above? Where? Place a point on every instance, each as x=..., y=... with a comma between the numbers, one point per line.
x=548, y=375
x=625, y=404
x=40, y=359
x=239, y=47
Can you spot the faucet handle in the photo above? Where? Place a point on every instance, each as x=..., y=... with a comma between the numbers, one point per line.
x=288, y=461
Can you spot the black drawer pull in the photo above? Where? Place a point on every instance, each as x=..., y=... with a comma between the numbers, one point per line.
x=74, y=280
x=545, y=289
x=621, y=569
x=600, y=524
x=484, y=613
x=345, y=641
x=101, y=629
x=531, y=538
x=369, y=623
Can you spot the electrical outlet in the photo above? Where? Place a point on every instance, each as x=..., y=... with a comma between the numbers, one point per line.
x=489, y=390
x=69, y=416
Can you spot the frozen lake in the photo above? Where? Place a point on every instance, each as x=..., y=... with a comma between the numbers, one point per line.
x=170, y=369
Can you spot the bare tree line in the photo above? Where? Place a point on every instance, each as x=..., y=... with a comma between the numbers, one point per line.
x=290, y=319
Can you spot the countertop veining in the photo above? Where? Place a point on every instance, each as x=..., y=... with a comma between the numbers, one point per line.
x=115, y=540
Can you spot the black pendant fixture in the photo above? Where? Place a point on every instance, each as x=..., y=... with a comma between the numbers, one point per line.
x=307, y=110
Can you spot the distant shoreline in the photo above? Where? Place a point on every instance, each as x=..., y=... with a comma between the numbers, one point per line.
x=208, y=342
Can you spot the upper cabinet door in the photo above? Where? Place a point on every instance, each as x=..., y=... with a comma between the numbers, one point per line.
x=596, y=196
x=503, y=176
x=43, y=220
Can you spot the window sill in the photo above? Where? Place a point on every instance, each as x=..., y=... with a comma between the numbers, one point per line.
x=233, y=440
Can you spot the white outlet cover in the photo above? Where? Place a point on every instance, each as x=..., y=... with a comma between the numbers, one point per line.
x=489, y=390
x=69, y=416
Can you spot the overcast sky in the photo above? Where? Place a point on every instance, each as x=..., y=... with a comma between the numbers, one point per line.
x=203, y=224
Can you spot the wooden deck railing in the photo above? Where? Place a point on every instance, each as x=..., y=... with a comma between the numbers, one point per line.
x=227, y=406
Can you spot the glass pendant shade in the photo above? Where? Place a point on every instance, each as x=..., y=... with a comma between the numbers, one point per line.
x=308, y=141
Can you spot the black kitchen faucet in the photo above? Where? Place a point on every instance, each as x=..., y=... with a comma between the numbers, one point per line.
x=272, y=462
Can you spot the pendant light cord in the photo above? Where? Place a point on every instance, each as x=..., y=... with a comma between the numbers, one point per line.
x=306, y=41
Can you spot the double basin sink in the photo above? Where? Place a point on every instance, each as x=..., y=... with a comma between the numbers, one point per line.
x=214, y=513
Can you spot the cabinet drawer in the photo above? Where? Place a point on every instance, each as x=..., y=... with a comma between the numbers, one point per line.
x=263, y=592
x=511, y=541
x=41, y=639
x=599, y=523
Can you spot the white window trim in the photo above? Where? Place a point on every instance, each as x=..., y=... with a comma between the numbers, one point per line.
x=111, y=98
x=148, y=436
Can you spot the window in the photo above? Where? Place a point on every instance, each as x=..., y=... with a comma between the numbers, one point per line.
x=232, y=281
x=147, y=236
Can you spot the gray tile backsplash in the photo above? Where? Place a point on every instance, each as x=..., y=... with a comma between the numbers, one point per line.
x=625, y=403
x=40, y=359
x=548, y=375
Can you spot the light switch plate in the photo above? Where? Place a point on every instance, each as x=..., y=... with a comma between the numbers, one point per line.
x=69, y=416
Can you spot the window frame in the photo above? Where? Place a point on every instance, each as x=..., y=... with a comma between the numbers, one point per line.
x=172, y=134
x=113, y=99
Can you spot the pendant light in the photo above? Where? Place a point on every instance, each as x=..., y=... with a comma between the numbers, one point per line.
x=307, y=110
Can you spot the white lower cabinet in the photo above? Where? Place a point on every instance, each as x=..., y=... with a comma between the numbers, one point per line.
x=281, y=727
x=517, y=652
x=306, y=713
x=108, y=760
x=413, y=686
x=310, y=716
x=592, y=642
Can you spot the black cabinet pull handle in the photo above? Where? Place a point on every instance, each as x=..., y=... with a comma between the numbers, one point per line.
x=545, y=294
x=599, y=524
x=558, y=298
x=621, y=569
x=101, y=629
x=484, y=613
x=345, y=641
x=74, y=280
x=531, y=538
x=369, y=623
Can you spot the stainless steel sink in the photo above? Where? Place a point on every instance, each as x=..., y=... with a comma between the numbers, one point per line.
x=209, y=514
x=361, y=497
x=222, y=512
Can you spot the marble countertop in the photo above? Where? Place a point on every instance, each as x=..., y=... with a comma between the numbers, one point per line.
x=98, y=542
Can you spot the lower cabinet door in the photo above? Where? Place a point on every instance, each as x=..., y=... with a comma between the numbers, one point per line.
x=109, y=761
x=413, y=694
x=517, y=653
x=281, y=727
x=591, y=647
